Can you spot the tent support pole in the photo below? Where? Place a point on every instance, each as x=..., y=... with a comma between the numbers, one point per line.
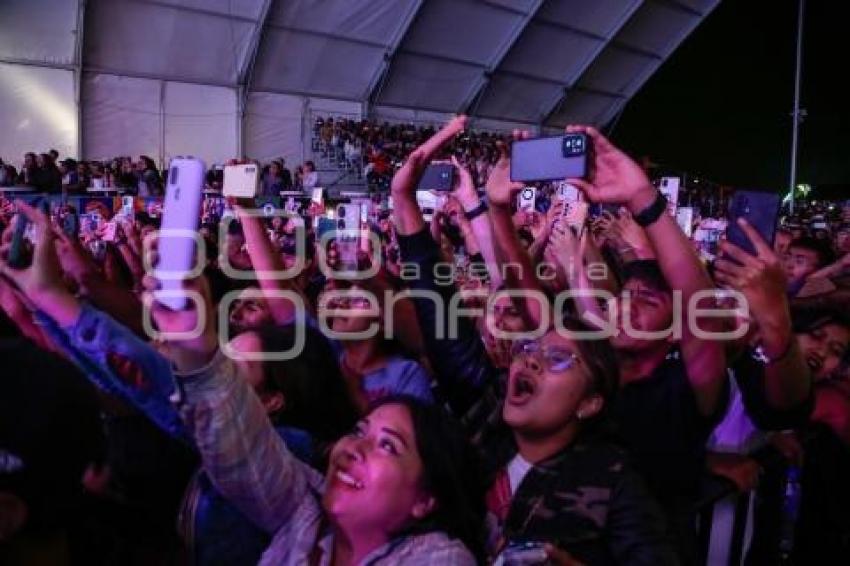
x=78, y=74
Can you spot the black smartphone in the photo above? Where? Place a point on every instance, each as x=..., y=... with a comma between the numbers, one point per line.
x=19, y=256
x=549, y=159
x=760, y=210
x=71, y=224
x=437, y=177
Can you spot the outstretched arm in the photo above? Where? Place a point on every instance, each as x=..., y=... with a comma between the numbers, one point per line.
x=615, y=178
x=265, y=261
x=406, y=214
x=520, y=274
x=761, y=279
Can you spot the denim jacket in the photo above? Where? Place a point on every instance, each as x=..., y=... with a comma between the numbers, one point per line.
x=215, y=531
x=96, y=343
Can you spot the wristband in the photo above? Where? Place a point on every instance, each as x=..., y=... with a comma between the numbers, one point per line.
x=476, y=212
x=651, y=213
x=759, y=355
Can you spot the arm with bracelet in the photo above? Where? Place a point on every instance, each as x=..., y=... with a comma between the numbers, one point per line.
x=761, y=279
x=617, y=179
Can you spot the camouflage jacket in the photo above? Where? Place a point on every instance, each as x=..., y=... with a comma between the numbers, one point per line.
x=586, y=500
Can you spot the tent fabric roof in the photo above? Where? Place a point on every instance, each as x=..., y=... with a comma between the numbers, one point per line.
x=544, y=62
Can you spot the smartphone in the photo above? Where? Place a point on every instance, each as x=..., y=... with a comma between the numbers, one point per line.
x=348, y=219
x=181, y=211
x=110, y=231
x=522, y=552
x=685, y=220
x=324, y=226
x=429, y=202
x=18, y=257
x=548, y=159
x=71, y=224
x=575, y=215
x=242, y=181
x=437, y=177
x=317, y=196
x=566, y=192
x=128, y=210
x=669, y=187
x=90, y=222
x=526, y=199
x=760, y=209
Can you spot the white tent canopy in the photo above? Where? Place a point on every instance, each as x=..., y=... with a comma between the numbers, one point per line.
x=218, y=78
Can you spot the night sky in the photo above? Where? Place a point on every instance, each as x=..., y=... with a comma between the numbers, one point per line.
x=720, y=106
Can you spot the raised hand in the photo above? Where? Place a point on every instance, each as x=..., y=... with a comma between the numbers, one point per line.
x=76, y=262
x=761, y=279
x=187, y=353
x=41, y=282
x=464, y=189
x=633, y=235
x=500, y=188
x=612, y=177
x=407, y=177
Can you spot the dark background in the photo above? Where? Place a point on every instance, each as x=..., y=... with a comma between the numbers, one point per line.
x=721, y=106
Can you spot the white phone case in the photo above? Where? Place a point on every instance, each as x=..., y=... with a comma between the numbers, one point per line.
x=241, y=181
x=180, y=216
x=526, y=197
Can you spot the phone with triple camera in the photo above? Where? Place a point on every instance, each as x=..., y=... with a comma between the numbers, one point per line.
x=551, y=158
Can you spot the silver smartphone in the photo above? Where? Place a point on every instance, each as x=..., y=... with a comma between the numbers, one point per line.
x=181, y=214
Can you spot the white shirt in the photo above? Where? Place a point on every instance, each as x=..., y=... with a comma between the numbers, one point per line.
x=517, y=469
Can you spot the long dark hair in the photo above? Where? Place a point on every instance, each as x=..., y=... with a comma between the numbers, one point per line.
x=316, y=398
x=451, y=474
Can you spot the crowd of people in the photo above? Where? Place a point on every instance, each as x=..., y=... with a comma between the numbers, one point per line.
x=379, y=149
x=624, y=389
x=46, y=174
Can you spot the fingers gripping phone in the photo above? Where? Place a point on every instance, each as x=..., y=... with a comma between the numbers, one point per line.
x=180, y=216
x=760, y=210
x=548, y=159
x=20, y=249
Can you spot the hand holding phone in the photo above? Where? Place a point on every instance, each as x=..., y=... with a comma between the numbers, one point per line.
x=180, y=216
x=611, y=175
x=760, y=210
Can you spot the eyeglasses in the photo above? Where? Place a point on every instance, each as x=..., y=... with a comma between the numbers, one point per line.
x=555, y=360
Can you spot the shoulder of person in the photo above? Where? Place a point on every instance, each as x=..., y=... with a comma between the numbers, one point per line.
x=428, y=549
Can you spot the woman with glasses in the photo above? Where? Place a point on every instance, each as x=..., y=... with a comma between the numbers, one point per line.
x=560, y=486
